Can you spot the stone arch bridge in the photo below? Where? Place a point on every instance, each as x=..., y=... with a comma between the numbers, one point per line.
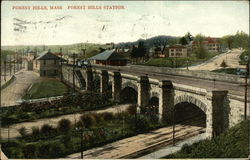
x=222, y=109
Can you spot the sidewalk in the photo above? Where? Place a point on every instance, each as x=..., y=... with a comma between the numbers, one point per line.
x=172, y=149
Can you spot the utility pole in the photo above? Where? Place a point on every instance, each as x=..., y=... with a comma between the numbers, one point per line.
x=61, y=64
x=10, y=65
x=14, y=64
x=5, y=68
x=74, y=63
x=81, y=143
x=173, y=127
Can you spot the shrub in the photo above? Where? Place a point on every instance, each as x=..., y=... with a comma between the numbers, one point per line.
x=107, y=116
x=57, y=149
x=35, y=131
x=30, y=151
x=22, y=131
x=23, y=115
x=141, y=123
x=88, y=120
x=46, y=129
x=44, y=150
x=223, y=64
x=132, y=109
x=64, y=125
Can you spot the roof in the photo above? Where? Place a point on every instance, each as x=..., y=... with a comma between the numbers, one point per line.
x=47, y=55
x=177, y=46
x=108, y=55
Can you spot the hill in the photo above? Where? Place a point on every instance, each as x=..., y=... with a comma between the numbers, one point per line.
x=232, y=144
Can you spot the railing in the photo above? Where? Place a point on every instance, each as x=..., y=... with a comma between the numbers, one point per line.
x=39, y=100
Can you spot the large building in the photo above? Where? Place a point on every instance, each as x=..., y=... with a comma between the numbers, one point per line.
x=47, y=64
x=177, y=51
x=110, y=57
x=211, y=44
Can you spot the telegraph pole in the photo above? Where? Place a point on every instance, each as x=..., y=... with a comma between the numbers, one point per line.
x=74, y=63
x=14, y=64
x=10, y=65
x=5, y=68
x=61, y=64
x=173, y=127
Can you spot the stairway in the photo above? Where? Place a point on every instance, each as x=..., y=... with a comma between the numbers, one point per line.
x=80, y=79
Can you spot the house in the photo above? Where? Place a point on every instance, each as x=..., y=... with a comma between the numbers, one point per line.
x=109, y=57
x=178, y=51
x=211, y=44
x=47, y=64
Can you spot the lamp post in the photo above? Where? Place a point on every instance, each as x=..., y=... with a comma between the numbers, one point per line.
x=246, y=85
x=187, y=64
x=173, y=121
x=81, y=139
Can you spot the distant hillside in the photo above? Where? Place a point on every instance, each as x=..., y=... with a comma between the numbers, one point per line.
x=91, y=49
x=151, y=41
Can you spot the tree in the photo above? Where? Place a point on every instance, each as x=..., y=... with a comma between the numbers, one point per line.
x=189, y=37
x=22, y=131
x=64, y=125
x=183, y=41
x=161, y=44
x=88, y=120
x=46, y=129
x=200, y=50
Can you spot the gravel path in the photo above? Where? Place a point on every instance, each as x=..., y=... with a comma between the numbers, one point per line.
x=13, y=129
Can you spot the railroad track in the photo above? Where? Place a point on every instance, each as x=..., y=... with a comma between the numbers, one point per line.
x=142, y=144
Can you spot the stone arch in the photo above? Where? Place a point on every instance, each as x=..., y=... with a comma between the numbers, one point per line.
x=154, y=94
x=190, y=99
x=129, y=95
x=131, y=85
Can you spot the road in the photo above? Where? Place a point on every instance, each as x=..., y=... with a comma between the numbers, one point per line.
x=17, y=89
x=232, y=60
x=13, y=129
x=136, y=146
x=233, y=88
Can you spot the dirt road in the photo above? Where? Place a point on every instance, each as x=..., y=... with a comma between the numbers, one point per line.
x=17, y=89
x=231, y=58
x=13, y=129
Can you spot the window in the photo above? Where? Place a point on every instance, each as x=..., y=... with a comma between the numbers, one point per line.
x=44, y=62
x=54, y=61
x=44, y=73
x=172, y=54
x=172, y=50
x=55, y=72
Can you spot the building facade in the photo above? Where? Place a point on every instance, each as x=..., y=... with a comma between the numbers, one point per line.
x=177, y=51
x=47, y=64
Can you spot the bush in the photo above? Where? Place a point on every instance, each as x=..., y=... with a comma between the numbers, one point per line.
x=30, y=151
x=35, y=131
x=64, y=125
x=57, y=149
x=107, y=116
x=132, y=109
x=46, y=129
x=142, y=123
x=223, y=64
x=22, y=131
x=44, y=150
x=88, y=120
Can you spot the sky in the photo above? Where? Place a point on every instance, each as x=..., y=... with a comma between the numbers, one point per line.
x=135, y=20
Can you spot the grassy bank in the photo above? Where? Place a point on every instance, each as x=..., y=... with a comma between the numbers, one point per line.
x=13, y=78
x=69, y=104
x=231, y=144
x=177, y=62
x=46, y=88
